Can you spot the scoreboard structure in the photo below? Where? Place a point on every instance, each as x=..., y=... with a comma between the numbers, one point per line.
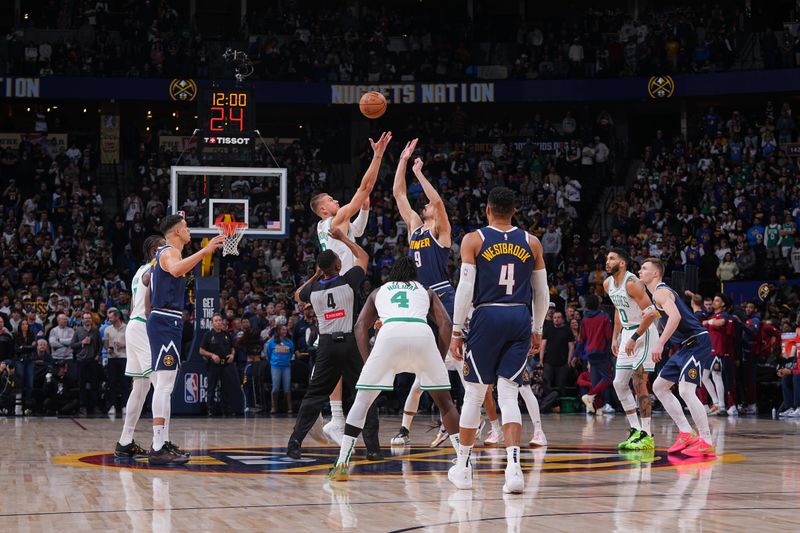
x=227, y=123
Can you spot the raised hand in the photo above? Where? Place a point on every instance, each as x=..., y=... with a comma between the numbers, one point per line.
x=380, y=146
x=408, y=151
x=417, y=167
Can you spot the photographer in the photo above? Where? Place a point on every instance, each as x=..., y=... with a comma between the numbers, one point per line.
x=60, y=391
x=217, y=349
x=8, y=387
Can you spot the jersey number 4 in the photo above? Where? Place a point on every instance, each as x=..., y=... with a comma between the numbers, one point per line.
x=507, y=278
x=331, y=303
x=401, y=299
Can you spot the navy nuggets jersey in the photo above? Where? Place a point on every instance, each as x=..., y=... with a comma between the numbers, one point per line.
x=166, y=291
x=689, y=325
x=430, y=257
x=504, y=267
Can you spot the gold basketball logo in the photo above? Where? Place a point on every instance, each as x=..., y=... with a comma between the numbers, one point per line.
x=466, y=369
x=763, y=292
x=169, y=360
x=183, y=90
x=692, y=373
x=660, y=87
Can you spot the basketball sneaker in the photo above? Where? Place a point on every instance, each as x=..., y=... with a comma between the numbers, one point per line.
x=164, y=456
x=130, y=451
x=608, y=410
x=338, y=472
x=712, y=410
x=441, y=436
x=683, y=441
x=493, y=438
x=588, y=401
x=402, y=438
x=515, y=481
x=632, y=436
x=733, y=411
x=174, y=449
x=701, y=448
x=750, y=409
x=639, y=456
x=643, y=442
x=333, y=432
x=317, y=431
x=460, y=476
x=538, y=439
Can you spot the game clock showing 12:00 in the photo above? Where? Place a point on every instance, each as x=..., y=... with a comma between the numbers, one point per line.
x=227, y=111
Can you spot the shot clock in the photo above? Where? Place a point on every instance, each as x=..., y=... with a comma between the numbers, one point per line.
x=227, y=121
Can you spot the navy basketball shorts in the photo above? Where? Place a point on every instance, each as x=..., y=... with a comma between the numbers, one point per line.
x=688, y=363
x=498, y=343
x=448, y=298
x=165, y=330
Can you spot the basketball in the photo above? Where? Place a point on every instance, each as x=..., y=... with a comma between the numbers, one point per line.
x=372, y=104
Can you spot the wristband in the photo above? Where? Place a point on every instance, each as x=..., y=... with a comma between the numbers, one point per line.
x=536, y=331
x=635, y=336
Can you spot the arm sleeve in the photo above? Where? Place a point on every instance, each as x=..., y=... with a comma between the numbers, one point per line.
x=360, y=223
x=355, y=277
x=464, y=294
x=305, y=293
x=541, y=299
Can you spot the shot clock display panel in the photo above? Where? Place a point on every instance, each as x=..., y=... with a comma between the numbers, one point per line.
x=227, y=120
x=227, y=111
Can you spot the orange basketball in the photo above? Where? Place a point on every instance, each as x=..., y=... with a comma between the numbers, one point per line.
x=372, y=104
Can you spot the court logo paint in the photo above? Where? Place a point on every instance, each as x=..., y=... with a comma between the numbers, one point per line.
x=399, y=462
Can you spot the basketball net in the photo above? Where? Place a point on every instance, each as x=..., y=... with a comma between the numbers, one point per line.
x=233, y=232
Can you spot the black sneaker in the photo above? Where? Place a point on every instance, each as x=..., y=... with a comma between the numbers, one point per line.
x=375, y=456
x=129, y=451
x=293, y=450
x=174, y=449
x=166, y=457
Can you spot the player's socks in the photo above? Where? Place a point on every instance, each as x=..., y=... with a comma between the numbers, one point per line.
x=407, y=420
x=158, y=437
x=127, y=435
x=646, y=425
x=464, y=454
x=633, y=420
x=512, y=454
x=346, y=450
x=455, y=441
x=337, y=414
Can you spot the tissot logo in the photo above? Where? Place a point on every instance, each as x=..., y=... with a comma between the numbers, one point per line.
x=226, y=140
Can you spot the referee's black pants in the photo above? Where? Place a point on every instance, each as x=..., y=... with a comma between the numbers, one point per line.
x=334, y=360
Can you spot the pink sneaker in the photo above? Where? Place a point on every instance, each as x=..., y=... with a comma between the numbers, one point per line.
x=683, y=441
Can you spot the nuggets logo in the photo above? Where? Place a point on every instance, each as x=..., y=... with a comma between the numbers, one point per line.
x=526, y=377
x=423, y=461
x=169, y=360
x=183, y=90
x=763, y=292
x=660, y=87
x=692, y=373
x=466, y=369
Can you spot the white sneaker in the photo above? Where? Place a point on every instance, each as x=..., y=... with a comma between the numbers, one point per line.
x=786, y=413
x=608, y=410
x=515, y=481
x=733, y=411
x=317, y=431
x=751, y=409
x=334, y=432
x=494, y=437
x=538, y=439
x=588, y=401
x=112, y=411
x=402, y=438
x=460, y=476
x=441, y=436
x=793, y=413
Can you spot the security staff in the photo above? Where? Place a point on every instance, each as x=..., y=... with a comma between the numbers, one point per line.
x=334, y=298
x=217, y=349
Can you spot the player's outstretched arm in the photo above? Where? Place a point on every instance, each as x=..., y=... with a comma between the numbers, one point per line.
x=541, y=294
x=442, y=226
x=347, y=211
x=361, y=256
x=360, y=223
x=170, y=259
x=400, y=189
x=368, y=316
x=442, y=321
x=298, y=294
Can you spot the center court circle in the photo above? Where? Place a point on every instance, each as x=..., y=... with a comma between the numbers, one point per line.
x=399, y=462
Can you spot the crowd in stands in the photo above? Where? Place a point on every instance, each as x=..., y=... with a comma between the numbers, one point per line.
x=728, y=189
x=380, y=43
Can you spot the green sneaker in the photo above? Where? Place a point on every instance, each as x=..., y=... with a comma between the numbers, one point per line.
x=644, y=442
x=634, y=434
x=338, y=473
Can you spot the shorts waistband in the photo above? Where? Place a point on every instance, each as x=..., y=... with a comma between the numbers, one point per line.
x=139, y=319
x=405, y=319
x=168, y=312
x=499, y=304
x=693, y=338
x=441, y=285
x=635, y=326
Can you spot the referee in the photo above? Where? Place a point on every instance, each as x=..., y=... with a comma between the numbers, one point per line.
x=334, y=299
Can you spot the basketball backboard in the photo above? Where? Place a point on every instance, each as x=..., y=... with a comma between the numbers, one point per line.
x=253, y=195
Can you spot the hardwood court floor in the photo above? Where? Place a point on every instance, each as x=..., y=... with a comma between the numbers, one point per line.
x=57, y=475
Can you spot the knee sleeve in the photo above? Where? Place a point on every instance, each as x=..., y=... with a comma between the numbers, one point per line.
x=623, y=388
x=662, y=387
x=162, y=393
x=687, y=390
x=471, y=409
x=507, y=399
x=412, y=400
x=358, y=411
x=139, y=390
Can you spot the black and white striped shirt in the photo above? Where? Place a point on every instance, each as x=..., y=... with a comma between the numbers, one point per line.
x=334, y=300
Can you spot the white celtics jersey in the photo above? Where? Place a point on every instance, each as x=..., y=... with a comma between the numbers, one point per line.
x=327, y=243
x=629, y=312
x=139, y=290
x=404, y=302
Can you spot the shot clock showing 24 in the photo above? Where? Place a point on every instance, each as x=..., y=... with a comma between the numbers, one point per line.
x=227, y=121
